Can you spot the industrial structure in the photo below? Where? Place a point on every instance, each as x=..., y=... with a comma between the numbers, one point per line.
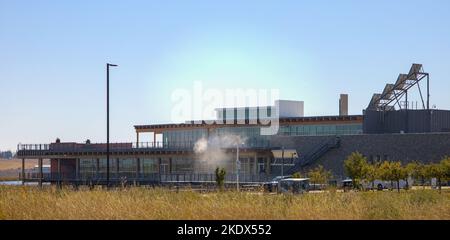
x=388, y=129
x=343, y=105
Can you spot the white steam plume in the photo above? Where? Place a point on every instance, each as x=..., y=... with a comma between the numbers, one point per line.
x=211, y=152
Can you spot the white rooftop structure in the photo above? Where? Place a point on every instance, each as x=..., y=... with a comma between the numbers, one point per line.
x=284, y=109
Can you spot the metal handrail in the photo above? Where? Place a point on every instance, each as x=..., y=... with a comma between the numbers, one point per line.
x=315, y=153
x=102, y=146
x=132, y=176
x=253, y=143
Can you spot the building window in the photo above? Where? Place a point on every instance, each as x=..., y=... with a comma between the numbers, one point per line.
x=127, y=165
x=261, y=165
x=182, y=165
x=321, y=129
x=149, y=165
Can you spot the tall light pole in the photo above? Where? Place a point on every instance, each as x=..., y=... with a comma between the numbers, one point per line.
x=107, y=121
x=282, y=162
x=238, y=165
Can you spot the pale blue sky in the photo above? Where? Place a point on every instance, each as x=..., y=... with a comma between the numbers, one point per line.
x=53, y=55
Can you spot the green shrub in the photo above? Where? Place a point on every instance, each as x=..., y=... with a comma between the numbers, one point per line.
x=220, y=177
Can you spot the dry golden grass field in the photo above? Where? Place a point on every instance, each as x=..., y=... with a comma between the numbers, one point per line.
x=14, y=164
x=20, y=202
x=9, y=168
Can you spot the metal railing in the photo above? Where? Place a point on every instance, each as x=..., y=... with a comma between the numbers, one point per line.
x=144, y=177
x=181, y=145
x=315, y=154
x=102, y=146
x=33, y=147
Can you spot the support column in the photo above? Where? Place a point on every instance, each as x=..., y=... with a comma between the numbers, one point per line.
x=137, y=139
x=256, y=164
x=428, y=92
x=117, y=168
x=159, y=169
x=428, y=104
x=138, y=170
x=77, y=169
x=138, y=167
x=59, y=172
x=97, y=168
x=406, y=118
x=41, y=175
x=23, y=171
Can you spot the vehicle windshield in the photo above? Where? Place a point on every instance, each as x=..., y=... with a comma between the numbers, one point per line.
x=278, y=178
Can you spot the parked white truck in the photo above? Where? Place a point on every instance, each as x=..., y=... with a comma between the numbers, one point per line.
x=379, y=184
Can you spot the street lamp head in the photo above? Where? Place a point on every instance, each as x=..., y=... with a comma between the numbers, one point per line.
x=111, y=65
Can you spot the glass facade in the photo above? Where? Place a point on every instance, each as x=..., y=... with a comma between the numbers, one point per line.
x=320, y=129
x=88, y=168
x=239, y=131
x=244, y=113
x=261, y=165
x=254, y=139
x=127, y=165
x=182, y=165
x=251, y=135
x=184, y=136
x=246, y=165
x=149, y=165
x=89, y=165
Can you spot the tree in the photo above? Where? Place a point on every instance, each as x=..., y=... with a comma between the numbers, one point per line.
x=417, y=171
x=220, y=177
x=398, y=173
x=445, y=164
x=356, y=168
x=406, y=175
x=297, y=175
x=384, y=172
x=436, y=170
x=372, y=173
x=392, y=171
x=319, y=175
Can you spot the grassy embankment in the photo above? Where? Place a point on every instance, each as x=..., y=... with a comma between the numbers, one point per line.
x=10, y=168
x=139, y=203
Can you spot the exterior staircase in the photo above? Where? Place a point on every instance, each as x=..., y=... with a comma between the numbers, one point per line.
x=315, y=154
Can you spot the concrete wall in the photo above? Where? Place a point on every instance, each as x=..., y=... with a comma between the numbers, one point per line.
x=430, y=147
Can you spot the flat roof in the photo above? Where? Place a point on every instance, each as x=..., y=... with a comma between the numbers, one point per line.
x=283, y=121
